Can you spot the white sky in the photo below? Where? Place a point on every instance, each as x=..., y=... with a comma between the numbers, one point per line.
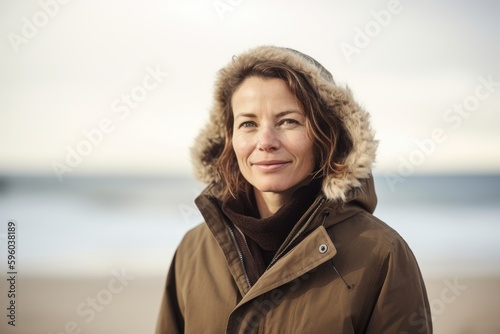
x=65, y=78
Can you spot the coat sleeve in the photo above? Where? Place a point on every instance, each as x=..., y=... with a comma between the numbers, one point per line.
x=170, y=319
x=402, y=305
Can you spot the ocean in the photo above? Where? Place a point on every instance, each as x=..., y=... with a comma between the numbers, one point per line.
x=89, y=226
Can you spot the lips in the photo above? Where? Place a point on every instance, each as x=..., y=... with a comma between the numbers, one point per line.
x=271, y=165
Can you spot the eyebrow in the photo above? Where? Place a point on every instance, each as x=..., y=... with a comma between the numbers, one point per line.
x=278, y=115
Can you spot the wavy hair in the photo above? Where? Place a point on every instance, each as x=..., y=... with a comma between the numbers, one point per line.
x=331, y=141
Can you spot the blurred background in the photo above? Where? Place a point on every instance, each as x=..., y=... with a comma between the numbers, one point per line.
x=100, y=103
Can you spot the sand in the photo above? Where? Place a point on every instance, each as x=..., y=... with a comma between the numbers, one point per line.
x=109, y=306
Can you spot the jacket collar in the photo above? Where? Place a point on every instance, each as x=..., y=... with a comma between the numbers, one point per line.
x=321, y=216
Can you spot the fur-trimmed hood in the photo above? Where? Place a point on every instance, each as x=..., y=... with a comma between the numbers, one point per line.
x=210, y=141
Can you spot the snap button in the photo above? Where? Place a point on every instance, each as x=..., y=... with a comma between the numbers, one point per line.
x=323, y=248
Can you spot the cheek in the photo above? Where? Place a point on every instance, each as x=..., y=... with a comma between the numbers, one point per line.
x=308, y=154
x=241, y=148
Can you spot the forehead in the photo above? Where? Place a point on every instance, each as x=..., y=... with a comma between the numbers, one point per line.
x=258, y=94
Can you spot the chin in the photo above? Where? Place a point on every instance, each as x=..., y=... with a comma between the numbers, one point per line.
x=272, y=188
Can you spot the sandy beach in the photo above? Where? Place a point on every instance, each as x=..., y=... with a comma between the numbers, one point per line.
x=129, y=306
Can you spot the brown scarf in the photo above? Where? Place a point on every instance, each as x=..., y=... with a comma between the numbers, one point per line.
x=260, y=238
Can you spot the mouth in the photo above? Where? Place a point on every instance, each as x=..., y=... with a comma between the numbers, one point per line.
x=271, y=165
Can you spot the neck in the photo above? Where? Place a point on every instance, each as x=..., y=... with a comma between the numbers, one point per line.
x=268, y=203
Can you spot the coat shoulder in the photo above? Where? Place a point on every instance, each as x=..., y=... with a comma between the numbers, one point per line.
x=199, y=248
x=370, y=242
x=197, y=233
x=196, y=240
x=366, y=226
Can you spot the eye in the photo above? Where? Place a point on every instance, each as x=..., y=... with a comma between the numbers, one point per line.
x=288, y=121
x=247, y=124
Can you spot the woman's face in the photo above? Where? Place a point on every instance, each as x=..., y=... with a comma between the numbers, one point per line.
x=270, y=139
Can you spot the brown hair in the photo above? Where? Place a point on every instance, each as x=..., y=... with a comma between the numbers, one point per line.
x=331, y=141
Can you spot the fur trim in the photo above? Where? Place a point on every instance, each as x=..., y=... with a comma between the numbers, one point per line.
x=210, y=141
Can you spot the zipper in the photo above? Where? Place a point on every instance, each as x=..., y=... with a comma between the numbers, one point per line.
x=286, y=249
x=233, y=237
x=240, y=254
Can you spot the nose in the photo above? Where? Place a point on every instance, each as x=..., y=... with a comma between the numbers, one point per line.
x=268, y=139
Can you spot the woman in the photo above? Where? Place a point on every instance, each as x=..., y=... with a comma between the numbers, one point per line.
x=289, y=243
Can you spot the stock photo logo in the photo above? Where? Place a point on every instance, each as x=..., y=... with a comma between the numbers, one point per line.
x=224, y=6
x=95, y=136
x=371, y=29
x=89, y=308
x=453, y=117
x=30, y=27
